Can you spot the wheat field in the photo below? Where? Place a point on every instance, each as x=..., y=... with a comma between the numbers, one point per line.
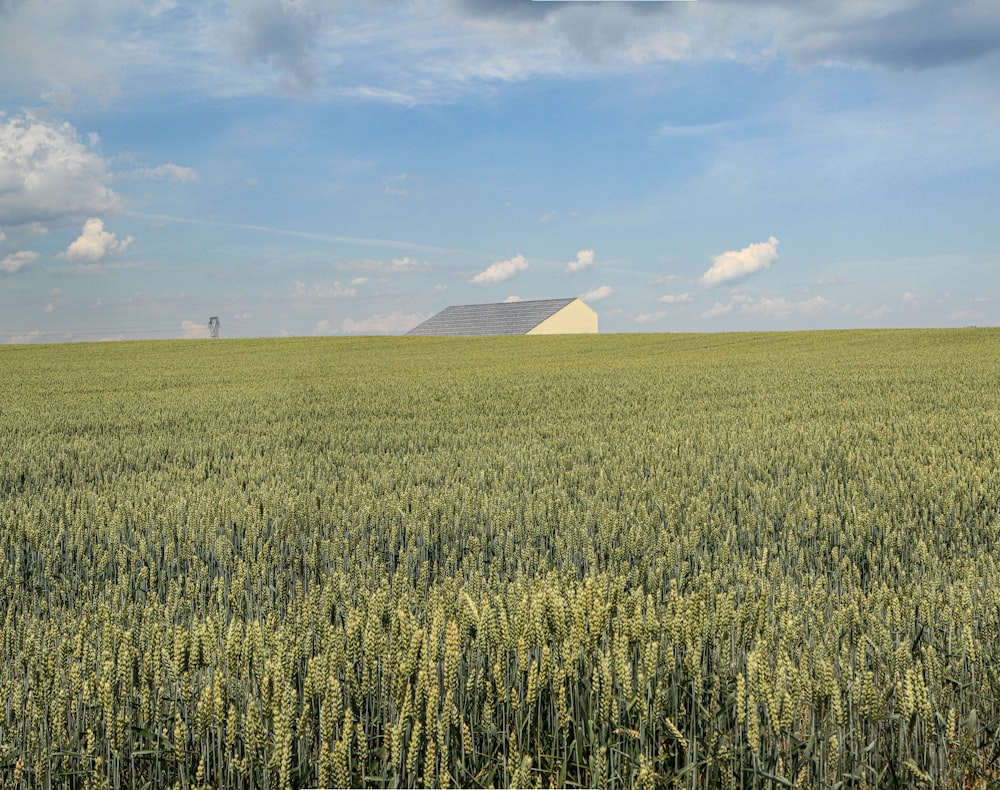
x=692, y=561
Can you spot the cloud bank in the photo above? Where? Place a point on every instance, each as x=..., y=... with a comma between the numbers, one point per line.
x=432, y=50
x=913, y=34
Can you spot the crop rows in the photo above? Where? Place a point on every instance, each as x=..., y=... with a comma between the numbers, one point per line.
x=616, y=561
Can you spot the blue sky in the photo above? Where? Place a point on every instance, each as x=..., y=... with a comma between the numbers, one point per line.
x=303, y=167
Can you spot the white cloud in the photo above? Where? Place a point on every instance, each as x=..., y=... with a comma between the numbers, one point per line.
x=332, y=290
x=693, y=129
x=909, y=297
x=740, y=263
x=91, y=268
x=385, y=95
x=401, y=264
x=776, y=307
x=95, y=243
x=28, y=337
x=322, y=327
x=166, y=171
x=551, y=215
x=359, y=281
x=17, y=261
x=48, y=176
x=735, y=300
x=194, y=329
x=970, y=312
x=647, y=318
x=878, y=313
x=61, y=97
x=513, y=298
x=718, y=309
x=584, y=260
x=50, y=48
x=676, y=298
x=392, y=323
x=596, y=294
x=502, y=270
x=395, y=185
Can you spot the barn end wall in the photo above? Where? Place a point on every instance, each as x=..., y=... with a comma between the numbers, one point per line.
x=575, y=318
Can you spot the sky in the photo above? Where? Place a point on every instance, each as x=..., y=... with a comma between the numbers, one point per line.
x=316, y=167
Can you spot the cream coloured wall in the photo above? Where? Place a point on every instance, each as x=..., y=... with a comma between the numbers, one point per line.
x=574, y=319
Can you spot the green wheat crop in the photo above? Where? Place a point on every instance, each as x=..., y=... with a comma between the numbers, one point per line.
x=692, y=561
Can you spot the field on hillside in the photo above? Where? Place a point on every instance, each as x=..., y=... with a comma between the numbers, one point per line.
x=702, y=561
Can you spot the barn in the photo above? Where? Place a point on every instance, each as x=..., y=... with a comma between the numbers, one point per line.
x=539, y=317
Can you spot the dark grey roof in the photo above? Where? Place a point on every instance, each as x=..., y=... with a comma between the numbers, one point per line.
x=505, y=318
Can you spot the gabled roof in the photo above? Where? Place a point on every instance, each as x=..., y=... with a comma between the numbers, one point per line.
x=505, y=318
